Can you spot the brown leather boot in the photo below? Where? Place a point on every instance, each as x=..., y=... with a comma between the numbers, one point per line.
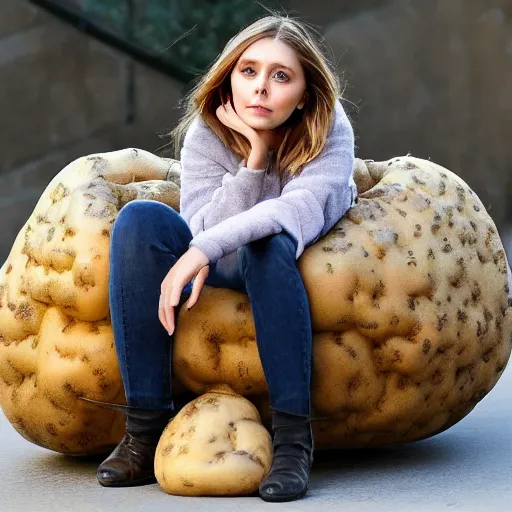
x=132, y=461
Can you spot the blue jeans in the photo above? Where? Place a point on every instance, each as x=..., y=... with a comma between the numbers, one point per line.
x=148, y=237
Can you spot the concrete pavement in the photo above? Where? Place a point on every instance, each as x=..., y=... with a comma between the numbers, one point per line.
x=466, y=468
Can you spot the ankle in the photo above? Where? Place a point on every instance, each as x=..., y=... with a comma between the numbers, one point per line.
x=292, y=430
x=147, y=426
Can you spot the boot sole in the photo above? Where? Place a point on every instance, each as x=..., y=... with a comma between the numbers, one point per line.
x=279, y=499
x=130, y=483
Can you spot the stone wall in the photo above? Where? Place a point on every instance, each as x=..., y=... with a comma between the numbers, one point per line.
x=64, y=95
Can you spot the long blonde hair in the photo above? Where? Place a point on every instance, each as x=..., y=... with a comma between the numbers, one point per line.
x=305, y=131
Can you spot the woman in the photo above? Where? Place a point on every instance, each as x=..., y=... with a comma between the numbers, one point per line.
x=266, y=171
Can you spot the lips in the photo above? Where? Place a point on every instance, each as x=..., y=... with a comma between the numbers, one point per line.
x=260, y=111
x=258, y=107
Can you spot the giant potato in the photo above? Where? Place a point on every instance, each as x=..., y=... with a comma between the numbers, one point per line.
x=408, y=299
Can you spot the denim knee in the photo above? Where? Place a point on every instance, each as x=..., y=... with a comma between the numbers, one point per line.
x=142, y=213
x=149, y=219
x=281, y=246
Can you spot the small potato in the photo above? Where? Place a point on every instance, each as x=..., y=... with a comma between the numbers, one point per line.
x=215, y=446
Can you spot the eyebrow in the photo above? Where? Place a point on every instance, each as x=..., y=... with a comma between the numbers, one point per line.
x=274, y=64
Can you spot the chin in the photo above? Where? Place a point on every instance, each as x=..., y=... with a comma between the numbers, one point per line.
x=258, y=126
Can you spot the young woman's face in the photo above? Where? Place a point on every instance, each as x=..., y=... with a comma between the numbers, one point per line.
x=268, y=74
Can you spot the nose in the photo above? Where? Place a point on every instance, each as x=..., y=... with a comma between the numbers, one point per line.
x=261, y=86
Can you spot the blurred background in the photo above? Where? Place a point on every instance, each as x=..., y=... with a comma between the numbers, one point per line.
x=428, y=77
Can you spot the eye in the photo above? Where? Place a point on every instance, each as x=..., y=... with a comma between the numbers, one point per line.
x=284, y=75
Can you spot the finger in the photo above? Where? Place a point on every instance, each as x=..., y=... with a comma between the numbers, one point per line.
x=161, y=312
x=198, y=286
x=169, y=312
x=176, y=291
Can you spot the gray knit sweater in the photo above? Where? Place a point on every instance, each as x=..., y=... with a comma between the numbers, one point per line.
x=227, y=205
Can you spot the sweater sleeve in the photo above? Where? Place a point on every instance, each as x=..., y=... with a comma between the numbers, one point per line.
x=209, y=192
x=310, y=204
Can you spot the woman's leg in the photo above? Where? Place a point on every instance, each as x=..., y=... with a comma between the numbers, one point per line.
x=282, y=319
x=280, y=308
x=148, y=237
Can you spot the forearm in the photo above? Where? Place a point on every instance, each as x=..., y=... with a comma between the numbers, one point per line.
x=258, y=159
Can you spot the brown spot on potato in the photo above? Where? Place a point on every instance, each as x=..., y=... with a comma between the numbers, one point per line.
x=84, y=438
x=94, y=329
x=71, y=322
x=24, y=312
x=397, y=356
x=381, y=253
x=368, y=325
x=486, y=356
x=379, y=291
x=403, y=382
x=167, y=450
x=441, y=321
x=437, y=377
x=59, y=193
x=50, y=234
x=488, y=315
x=476, y=293
x=242, y=369
x=50, y=428
x=462, y=316
x=68, y=388
x=354, y=384
x=219, y=456
x=183, y=450
x=190, y=410
x=215, y=340
x=243, y=307
x=415, y=330
x=212, y=400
